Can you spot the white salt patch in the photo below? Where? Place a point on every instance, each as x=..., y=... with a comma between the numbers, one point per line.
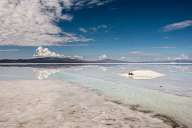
x=142, y=74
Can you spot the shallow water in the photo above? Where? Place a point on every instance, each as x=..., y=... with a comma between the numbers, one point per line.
x=170, y=95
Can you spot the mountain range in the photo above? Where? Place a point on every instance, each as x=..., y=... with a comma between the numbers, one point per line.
x=52, y=60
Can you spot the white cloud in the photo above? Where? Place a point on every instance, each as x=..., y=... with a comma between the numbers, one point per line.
x=122, y=58
x=66, y=17
x=102, y=27
x=78, y=4
x=45, y=52
x=136, y=53
x=76, y=45
x=78, y=57
x=166, y=47
x=104, y=56
x=177, y=26
x=83, y=30
x=182, y=57
x=99, y=27
x=32, y=22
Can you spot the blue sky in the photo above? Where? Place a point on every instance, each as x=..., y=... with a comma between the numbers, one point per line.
x=123, y=29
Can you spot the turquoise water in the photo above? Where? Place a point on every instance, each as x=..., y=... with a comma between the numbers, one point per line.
x=170, y=95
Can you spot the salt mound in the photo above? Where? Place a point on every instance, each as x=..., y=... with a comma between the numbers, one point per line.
x=142, y=74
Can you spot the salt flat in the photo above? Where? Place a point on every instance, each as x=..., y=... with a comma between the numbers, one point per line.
x=56, y=104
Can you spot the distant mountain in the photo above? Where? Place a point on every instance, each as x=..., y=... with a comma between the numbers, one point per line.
x=75, y=60
x=168, y=61
x=43, y=60
x=183, y=61
x=58, y=60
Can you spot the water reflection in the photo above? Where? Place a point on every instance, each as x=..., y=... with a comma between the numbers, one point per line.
x=183, y=68
x=45, y=73
x=177, y=79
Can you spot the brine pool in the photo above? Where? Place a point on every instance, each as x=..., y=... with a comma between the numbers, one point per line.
x=169, y=95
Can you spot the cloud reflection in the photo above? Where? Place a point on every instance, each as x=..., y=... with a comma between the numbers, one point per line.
x=43, y=74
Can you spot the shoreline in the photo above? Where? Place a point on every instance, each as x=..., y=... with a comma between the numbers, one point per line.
x=166, y=119
x=42, y=104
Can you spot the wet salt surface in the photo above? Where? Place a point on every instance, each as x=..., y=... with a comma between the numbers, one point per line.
x=170, y=95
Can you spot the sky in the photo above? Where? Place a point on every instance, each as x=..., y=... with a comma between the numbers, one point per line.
x=97, y=29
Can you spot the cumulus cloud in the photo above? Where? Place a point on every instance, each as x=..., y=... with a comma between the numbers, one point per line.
x=177, y=26
x=104, y=56
x=45, y=52
x=33, y=22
